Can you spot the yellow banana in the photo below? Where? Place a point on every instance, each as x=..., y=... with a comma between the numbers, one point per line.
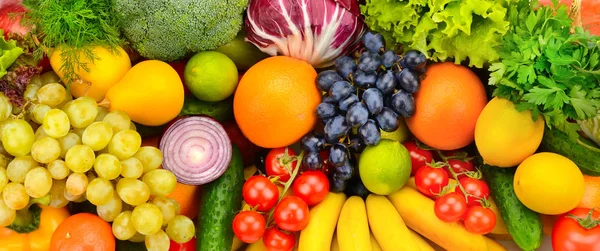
x=374, y=245
x=318, y=234
x=334, y=243
x=237, y=244
x=422, y=243
x=257, y=246
x=353, y=226
x=387, y=226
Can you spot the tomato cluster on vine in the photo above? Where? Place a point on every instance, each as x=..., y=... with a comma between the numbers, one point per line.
x=453, y=181
x=275, y=214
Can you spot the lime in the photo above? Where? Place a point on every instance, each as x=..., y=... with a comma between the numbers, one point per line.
x=384, y=168
x=211, y=76
x=401, y=134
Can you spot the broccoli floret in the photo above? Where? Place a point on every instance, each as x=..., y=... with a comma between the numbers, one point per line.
x=170, y=30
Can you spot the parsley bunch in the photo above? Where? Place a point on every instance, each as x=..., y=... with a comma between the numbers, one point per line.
x=547, y=67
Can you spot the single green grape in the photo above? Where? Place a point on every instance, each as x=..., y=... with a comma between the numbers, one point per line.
x=122, y=226
x=181, y=229
x=45, y=150
x=5, y=160
x=158, y=241
x=38, y=113
x=17, y=137
x=77, y=183
x=78, y=131
x=49, y=77
x=132, y=126
x=72, y=197
x=147, y=218
x=99, y=191
x=167, y=208
x=65, y=101
x=7, y=215
x=131, y=168
x=68, y=141
x=51, y=94
x=125, y=144
x=161, y=182
x=18, y=168
x=102, y=112
x=151, y=157
x=35, y=80
x=15, y=196
x=80, y=158
x=56, y=123
x=110, y=210
x=5, y=107
x=31, y=91
x=137, y=237
x=57, y=193
x=40, y=133
x=133, y=191
x=107, y=166
x=38, y=182
x=118, y=120
x=58, y=169
x=3, y=178
x=97, y=135
x=82, y=111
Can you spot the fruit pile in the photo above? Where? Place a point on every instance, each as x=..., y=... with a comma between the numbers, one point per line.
x=58, y=150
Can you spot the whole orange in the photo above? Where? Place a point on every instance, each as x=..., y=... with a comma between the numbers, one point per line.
x=83, y=231
x=275, y=101
x=591, y=197
x=447, y=106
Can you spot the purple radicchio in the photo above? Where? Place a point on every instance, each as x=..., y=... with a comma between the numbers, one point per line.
x=316, y=31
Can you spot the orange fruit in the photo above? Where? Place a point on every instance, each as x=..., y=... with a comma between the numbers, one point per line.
x=83, y=231
x=275, y=101
x=188, y=198
x=447, y=106
x=591, y=197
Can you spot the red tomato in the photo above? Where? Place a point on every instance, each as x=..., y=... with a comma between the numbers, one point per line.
x=477, y=190
x=430, y=181
x=276, y=160
x=479, y=220
x=419, y=157
x=249, y=226
x=570, y=235
x=450, y=207
x=311, y=186
x=459, y=166
x=259, y=190
x=276, y=240
x=291, y=214
x=188, y=246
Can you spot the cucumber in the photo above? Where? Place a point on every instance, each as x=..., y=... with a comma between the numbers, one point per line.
x=523, y=224
x=221, y=111
x=582, y=152
x=221, y=200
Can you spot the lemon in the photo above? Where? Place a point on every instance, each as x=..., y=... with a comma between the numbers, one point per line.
x=211, y=76
x=384, y=168
x=549, y=183
x=504, y=136
x=401, y=134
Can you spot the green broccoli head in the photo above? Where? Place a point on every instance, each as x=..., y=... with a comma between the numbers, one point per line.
x=170, y=30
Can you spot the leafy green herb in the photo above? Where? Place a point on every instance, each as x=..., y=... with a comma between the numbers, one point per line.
x=548, y=67
x=9, y=52
x=76, y=26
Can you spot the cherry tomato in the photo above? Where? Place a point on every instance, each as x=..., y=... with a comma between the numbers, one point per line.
x=450, y=207
x=249, y=226
x=311, y=186
x=430, y=181
x=259, y=190
x=188, y=246
x=277, y=240
x=291, y=214
x=569, y=235
x=459, y=166
x=277, y=159
x=418, y=156
x=479, y=220
x=477, y=190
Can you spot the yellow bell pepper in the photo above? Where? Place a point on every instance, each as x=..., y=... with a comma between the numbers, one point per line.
x=33, y=227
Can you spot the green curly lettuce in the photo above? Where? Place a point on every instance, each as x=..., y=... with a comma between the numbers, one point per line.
x=463, y=30
x=9, y=52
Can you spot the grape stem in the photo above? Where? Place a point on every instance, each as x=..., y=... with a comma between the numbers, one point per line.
x=293, y=173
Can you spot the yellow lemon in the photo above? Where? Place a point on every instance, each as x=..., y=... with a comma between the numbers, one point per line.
x=549, y=183
x=504, y=136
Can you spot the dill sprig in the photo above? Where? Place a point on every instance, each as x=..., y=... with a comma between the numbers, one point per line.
x=76, y=26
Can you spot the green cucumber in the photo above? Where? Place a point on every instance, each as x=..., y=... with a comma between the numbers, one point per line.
x=221, y=111
x=221, y=201
x=582, y=152
x=523, y=224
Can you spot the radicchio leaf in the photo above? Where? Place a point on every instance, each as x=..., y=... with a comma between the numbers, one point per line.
x=14, y=83
x=316, y=31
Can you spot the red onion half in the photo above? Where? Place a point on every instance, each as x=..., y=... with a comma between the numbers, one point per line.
x=196, y=149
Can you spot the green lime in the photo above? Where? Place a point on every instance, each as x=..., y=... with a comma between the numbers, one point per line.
x=402, y=134
x=211, y=76
x=384, y=168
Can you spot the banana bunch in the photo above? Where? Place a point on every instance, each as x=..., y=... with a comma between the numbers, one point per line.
x=353, y=224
